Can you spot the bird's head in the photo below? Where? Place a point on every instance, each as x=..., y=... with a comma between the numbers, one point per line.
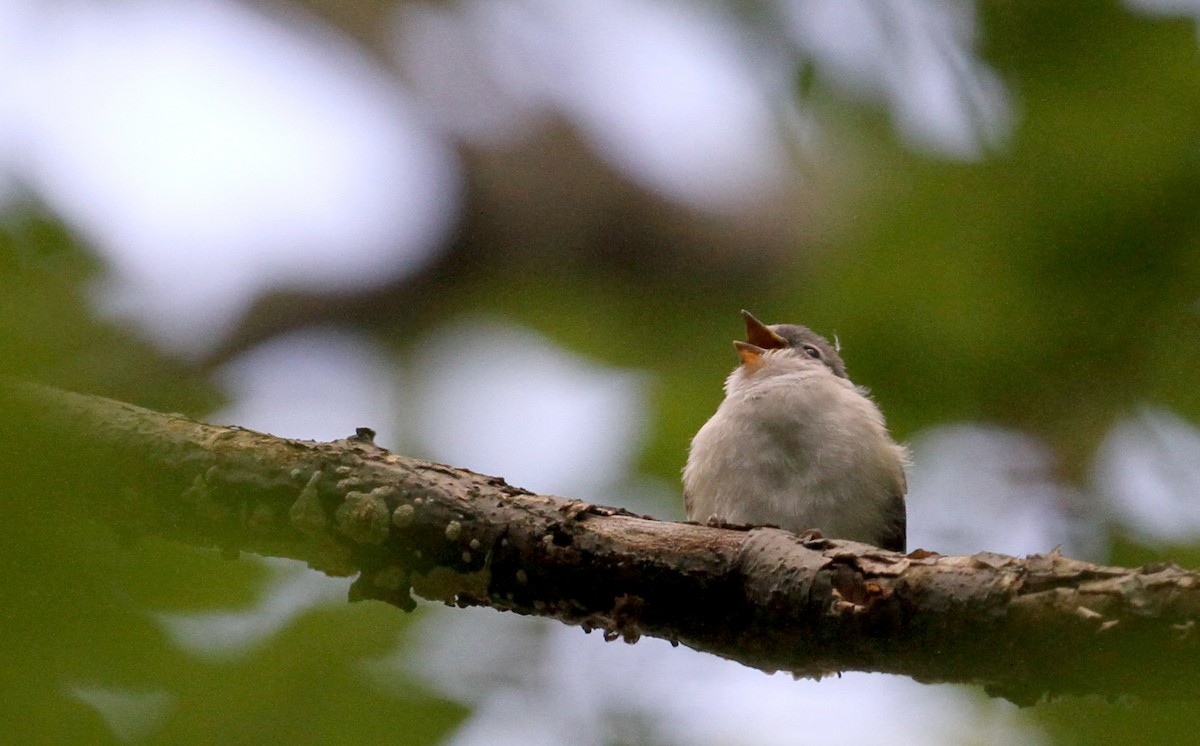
x=788, y=344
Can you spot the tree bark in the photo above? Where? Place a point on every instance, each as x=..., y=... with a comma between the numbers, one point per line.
x=1023, y=628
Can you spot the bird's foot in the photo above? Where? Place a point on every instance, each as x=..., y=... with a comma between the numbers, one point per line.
x=812, y=536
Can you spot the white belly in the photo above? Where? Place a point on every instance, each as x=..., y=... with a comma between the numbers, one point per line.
x=805, y=452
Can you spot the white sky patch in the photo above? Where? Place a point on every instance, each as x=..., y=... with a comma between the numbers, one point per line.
x=979, y=488
x=667, y=92
x=293, y=589
x=1166, y=7
x=316, y=384
x=210, y=152
x=919, y=58
x=1148, y=469
x=539, y=682
x=499, y=399
x=131, y=715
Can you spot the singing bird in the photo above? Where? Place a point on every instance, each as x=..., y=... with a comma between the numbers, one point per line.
x=796, y=445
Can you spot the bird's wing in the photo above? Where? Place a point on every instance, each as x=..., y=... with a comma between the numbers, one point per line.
x=894, y=535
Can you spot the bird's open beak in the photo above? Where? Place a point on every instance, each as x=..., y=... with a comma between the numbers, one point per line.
x=750, y=355
x=760, y=335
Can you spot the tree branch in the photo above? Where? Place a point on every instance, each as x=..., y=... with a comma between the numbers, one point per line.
x=1020, y=627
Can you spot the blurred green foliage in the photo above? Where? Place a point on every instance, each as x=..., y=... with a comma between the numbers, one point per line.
x=49, y=331
x=1050, y=286
x=78, y=597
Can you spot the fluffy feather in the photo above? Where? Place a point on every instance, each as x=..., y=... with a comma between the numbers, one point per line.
x=795, y=444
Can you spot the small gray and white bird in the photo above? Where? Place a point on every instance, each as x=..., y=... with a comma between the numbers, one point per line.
x=796, y=445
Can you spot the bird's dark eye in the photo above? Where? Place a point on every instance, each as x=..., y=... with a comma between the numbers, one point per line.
x=812, y=352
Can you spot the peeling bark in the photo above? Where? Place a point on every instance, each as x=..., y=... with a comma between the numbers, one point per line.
x=1021, y=627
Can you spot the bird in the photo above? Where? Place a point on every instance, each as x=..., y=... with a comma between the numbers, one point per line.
x=795, y=444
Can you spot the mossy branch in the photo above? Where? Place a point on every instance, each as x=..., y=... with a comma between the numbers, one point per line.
x=1021, y=627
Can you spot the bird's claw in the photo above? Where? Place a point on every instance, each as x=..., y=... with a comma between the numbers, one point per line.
x=810, y=536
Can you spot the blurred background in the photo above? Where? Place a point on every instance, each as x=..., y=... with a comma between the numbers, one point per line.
x=514, y=235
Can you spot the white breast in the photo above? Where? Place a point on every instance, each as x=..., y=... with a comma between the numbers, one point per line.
x=799, y=449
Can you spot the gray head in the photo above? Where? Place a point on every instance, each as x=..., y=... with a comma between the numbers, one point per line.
x=793, y=337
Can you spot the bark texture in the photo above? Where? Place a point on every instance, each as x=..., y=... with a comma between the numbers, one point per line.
x=1021, y=627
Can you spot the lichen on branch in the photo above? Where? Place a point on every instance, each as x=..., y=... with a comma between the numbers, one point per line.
x=1021, y=627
